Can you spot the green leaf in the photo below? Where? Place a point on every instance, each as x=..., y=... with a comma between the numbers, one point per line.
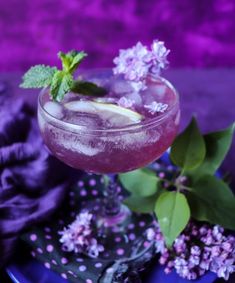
x=217, y=146
x=212, y=200
x=88, y=88
x=38, y=76
x=173, y=214
x=140, y=182
x=71, y=60
x=61, y=84
x=141, y=204
x=188, y=150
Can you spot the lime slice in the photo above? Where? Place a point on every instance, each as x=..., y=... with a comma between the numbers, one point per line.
x=113, y=114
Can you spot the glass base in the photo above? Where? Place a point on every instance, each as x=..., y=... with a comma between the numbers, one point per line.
x=124, y=235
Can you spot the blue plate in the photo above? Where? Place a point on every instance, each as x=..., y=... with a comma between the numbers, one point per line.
x=32, y=271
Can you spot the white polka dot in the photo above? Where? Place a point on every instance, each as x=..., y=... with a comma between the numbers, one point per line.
x=98, y=265
x=142, y=224
x=64, y=275
x=89, y=281
x=80, y=183
x=117, y=239
x=94, y=192
x=132, y=236
x=50, y=248
x=83, y=193
x=54, y=262
x=92, y=182
x=82, y=268
x=47, y=265
x=64, y=260
x=33, y=237
x=39, y=250
x=79, y=259
x=131, y=226
x=48, y=237
x=120, y=251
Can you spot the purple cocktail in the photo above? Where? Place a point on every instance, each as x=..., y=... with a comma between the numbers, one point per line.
x=122, y=131
x=100, y=135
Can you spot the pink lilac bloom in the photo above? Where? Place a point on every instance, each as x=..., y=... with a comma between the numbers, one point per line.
x=199, y=248
x=79, y=236
x=155, y=107
x=125, y=102
x=159, y=56
x=136, y=63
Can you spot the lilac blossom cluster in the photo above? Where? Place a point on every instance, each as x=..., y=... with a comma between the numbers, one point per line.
x=79, y=236
x=137, y=62
x=200, y=248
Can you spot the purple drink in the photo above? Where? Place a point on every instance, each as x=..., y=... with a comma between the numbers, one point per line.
x=99, y=135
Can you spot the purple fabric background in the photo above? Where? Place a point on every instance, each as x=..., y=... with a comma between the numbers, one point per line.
x=200, y=33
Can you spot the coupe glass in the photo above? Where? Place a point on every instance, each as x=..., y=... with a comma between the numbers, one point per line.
x=81, y=141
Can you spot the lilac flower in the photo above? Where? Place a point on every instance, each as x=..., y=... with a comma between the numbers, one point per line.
x=79, y=238
x=133, y=62
x=125, y=102
x=223, y=268
x=155, y=107
x=197, y=250
x=138, y=62
x=159, y=56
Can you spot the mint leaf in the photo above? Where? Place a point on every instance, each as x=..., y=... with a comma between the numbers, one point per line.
x=211, y=200
x=88, y=88
x=188, y=150
x=77, y=59
x=141, y=204
x=140, y=182
x=61, y=84
x=71, y=60
x=38, y=76
x=217, y=146
x=61, y=81
x=173, y=214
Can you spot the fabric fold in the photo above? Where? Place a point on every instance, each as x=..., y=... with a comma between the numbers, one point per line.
x=32, y=183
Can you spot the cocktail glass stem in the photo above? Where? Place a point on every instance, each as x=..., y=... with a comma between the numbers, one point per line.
x=112, y=203
x=114, y=213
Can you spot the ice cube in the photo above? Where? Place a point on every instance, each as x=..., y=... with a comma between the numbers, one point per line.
x=136, y=97
x=81, y=148
x=88, y=120
x=121, y=87
x=54, y=109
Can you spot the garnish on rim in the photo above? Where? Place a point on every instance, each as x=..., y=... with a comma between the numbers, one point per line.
x=136, y=63
x=61, y=81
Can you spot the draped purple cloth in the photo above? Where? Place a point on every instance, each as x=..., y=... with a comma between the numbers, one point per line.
x=30, y=186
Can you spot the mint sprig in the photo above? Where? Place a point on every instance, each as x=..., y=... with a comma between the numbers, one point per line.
x=204, y=197
x=38, y=76
x=61, y=81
